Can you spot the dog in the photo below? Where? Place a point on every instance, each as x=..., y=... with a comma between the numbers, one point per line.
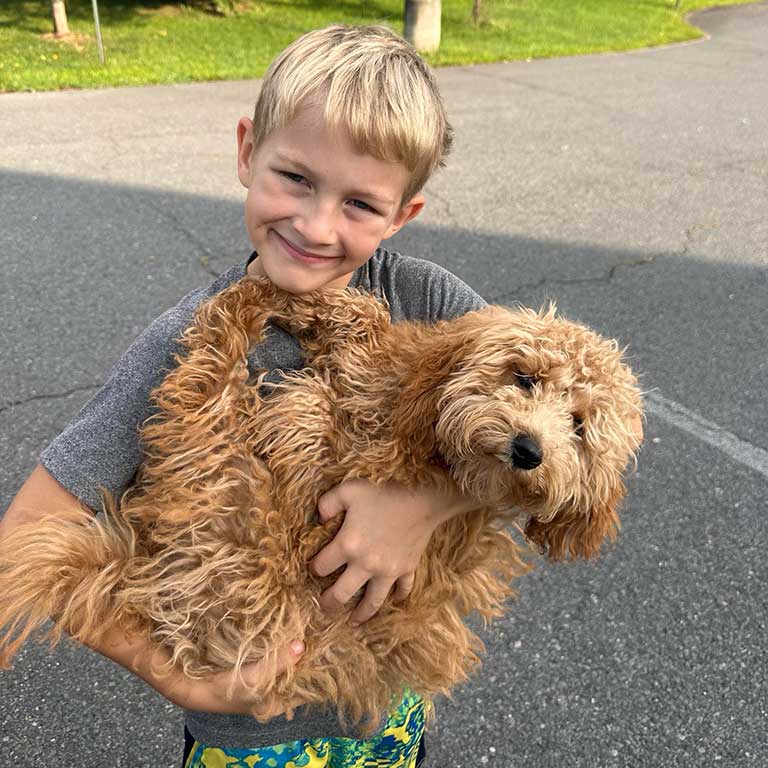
x=206, y=553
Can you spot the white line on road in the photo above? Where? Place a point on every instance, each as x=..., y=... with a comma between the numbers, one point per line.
x=709, y=432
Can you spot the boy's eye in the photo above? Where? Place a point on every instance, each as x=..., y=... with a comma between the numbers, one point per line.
x=297, y=177
x=360, y=205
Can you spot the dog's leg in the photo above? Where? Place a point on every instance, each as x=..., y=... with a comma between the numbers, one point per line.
x=65, y=568
x=199, y=432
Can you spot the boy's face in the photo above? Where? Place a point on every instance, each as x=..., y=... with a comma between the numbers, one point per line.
x=316, y=208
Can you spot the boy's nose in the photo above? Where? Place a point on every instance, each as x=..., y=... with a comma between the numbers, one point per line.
x=316, y=227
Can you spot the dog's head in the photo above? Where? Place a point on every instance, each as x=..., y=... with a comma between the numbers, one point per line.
x=540, y=414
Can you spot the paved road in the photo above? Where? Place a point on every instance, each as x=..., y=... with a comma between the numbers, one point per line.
x=631, y=188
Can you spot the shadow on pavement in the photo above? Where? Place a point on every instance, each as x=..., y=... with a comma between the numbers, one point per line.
x=628, y=661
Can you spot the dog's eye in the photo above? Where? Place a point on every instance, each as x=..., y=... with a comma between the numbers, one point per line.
x=526, y=382
x=578, y=425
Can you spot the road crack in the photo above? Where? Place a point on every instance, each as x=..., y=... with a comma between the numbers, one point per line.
x=604, y=278
x=48, y=396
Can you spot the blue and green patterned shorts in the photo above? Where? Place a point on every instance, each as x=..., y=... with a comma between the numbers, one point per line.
x=398, y=745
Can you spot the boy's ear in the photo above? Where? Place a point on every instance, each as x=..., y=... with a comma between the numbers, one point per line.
x=244, y=150
x=409, y=211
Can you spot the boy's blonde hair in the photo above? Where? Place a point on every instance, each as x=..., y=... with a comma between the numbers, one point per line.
x=374, y=84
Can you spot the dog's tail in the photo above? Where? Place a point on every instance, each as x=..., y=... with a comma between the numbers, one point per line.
x=64, y=568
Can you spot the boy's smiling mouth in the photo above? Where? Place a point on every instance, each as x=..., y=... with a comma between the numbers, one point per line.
x=298, y=253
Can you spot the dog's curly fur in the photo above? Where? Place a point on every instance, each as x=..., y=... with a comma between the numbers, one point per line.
x=207, y=551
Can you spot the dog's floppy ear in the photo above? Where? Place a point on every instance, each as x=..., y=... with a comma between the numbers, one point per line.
x=578, y=529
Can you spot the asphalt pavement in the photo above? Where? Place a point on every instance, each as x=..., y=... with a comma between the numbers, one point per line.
x=632, y=189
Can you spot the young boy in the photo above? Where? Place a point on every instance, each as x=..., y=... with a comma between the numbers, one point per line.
x=347, y=130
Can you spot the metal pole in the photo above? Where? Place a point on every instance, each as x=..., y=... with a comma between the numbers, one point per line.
x=98, y=31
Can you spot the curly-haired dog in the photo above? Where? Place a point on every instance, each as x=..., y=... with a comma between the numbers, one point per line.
x=207, y=551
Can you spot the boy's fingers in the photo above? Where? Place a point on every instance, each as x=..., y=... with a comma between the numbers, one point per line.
x=330, y=558
x=257, y=672
x=345, y=588
x=330, y=504
x=289, y=655
x=403, y=587
x=376, y=593
x=327, y=560
x=272, y=706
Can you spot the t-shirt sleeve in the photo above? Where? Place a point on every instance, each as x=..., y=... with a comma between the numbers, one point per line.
x=101, y=445
x=450, y=296
x=423, y=290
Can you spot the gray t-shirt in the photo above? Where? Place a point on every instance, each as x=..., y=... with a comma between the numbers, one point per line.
x=101, y=445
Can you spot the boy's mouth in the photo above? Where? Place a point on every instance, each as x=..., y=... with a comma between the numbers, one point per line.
x=299, y=253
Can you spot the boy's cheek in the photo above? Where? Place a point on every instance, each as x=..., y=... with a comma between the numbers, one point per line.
x=267, y=205
x=371, y=231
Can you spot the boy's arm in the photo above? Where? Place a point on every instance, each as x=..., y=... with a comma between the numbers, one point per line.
x=42, y=495
x=385, y=531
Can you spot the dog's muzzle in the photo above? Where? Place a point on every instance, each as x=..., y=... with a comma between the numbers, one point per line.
x=525, y=452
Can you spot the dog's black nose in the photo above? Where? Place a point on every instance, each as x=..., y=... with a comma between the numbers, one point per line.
x=525, y=453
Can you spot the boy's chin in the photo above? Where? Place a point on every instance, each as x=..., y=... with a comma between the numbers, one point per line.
x=298, y=287
x=296, y=280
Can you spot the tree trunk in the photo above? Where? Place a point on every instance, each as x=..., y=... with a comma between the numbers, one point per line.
x=476, y=12
x=60, y=25
x=422, y=24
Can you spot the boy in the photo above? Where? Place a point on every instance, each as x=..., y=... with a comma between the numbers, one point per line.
x=348, y=128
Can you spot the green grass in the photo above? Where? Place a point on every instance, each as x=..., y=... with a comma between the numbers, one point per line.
x=148, y=41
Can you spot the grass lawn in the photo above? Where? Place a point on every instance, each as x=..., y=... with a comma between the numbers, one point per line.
x=151, y=41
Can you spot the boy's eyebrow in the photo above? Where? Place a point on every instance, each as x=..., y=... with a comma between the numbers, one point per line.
x=360, y=193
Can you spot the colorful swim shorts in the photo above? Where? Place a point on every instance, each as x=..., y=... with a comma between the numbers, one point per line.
x=398, y=745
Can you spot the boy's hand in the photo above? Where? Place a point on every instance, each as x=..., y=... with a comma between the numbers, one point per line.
x=212, y=694
x=385, y=531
